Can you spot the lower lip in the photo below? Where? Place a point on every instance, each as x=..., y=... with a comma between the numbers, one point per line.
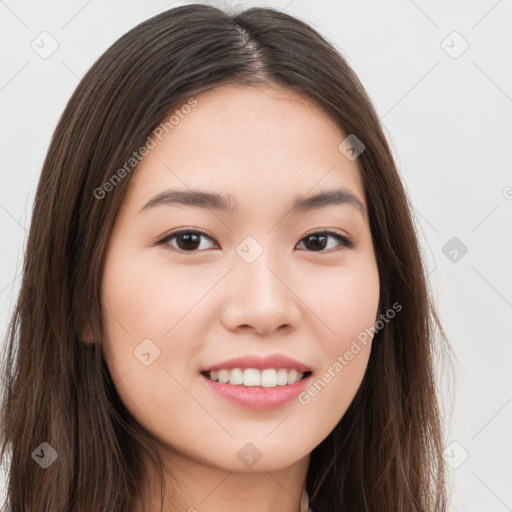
x=259, y=398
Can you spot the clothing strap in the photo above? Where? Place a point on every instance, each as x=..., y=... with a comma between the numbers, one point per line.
x=304, y=502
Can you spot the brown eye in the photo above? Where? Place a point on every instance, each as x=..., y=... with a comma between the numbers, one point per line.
x=319, y=240
x=185, y=240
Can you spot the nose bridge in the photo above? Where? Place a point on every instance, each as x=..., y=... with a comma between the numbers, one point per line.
x=260, y=297
x=256, y=266
x=257, y=274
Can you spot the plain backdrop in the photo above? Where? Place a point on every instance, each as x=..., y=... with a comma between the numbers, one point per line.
x=439, y=74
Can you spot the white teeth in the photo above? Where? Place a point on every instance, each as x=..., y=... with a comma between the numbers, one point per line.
x=269, y=378
x=292, y=376
x=282, y=377
x=251, y=377
x=223, y=376
x=236, y=376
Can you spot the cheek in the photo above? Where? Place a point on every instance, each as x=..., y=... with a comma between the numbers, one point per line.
x=147, y=298
x=346, y=303
x=143, y=322
x=147, y=347
x=152, y=323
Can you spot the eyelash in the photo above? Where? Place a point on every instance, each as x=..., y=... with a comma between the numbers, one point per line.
x=344, y=240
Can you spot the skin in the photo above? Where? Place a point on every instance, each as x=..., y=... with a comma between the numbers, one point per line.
x=263, y=146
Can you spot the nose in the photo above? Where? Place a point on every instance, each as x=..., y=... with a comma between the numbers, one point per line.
x=260, y=296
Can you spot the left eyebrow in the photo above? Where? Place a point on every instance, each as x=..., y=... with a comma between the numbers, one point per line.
x=229, y=204
x=328, y=198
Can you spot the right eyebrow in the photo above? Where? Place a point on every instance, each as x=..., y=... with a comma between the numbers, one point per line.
x=193, y=198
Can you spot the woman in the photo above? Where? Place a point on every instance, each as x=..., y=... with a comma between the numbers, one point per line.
x=224, y=305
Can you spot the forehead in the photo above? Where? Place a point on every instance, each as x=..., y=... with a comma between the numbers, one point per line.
x=260, y=143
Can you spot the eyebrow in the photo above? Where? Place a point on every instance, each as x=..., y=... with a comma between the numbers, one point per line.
x=300, y=204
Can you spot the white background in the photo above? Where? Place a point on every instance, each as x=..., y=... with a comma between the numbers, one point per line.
x=449, y=122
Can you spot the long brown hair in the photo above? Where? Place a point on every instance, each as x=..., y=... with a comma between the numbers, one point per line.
x=386, y=453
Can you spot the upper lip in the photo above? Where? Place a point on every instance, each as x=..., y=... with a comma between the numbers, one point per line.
x=260, y=362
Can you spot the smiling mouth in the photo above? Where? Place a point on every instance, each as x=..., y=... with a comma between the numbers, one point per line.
x=252, y=377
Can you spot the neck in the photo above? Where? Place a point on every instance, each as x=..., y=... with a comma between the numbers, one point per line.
x=196, y=486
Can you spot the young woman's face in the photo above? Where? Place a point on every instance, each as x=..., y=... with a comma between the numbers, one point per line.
x=258, y=283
